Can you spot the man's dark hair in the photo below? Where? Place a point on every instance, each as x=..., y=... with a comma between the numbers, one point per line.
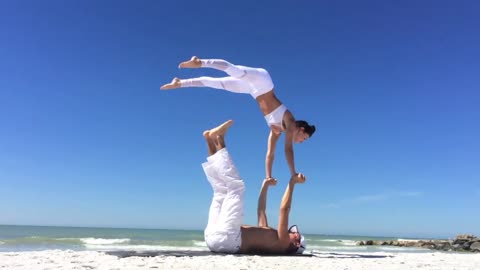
x=309, y=129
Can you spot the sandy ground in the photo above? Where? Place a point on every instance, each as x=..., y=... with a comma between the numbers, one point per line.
x=61, y=259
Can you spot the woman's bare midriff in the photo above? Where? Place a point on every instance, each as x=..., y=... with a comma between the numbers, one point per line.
x=268, y=102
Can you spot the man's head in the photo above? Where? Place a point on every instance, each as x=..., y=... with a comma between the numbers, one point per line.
x=303, y=131
x=297, y=241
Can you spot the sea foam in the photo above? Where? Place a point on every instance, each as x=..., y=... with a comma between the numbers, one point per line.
x=199, y=243
x=102, y=241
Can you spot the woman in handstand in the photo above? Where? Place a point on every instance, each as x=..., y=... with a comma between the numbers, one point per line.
x=257, y=83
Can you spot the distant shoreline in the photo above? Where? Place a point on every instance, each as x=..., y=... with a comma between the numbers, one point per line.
x=366, y=236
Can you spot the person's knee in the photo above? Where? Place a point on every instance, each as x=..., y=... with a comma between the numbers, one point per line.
x=236, y=186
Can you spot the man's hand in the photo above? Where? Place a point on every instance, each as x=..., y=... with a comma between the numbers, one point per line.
x=270, y=181
x=298, y=178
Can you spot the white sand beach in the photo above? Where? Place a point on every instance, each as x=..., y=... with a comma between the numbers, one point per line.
x=58, y=259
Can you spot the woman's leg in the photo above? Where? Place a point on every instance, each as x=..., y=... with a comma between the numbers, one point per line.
x=226, y=83
x=235, y=71
x=258, y=79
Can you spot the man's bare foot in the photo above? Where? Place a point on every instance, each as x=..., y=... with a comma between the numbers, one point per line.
x=219, y=131
x=194, y=62
x=174, y=84
x=206, y=134
x=211, y=144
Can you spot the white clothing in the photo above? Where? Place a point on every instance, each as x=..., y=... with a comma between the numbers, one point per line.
x=223, y=231
x=275, y=118
x=245, y=80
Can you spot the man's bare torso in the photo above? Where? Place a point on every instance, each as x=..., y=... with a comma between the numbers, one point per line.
x=261, y=240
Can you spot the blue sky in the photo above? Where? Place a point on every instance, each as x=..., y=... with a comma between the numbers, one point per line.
x=88, y=139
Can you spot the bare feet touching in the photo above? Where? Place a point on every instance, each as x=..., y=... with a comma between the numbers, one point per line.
x=194, y=62
x=217, y=132
x=174, y=84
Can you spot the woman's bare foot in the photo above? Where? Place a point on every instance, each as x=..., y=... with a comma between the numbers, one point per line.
x=174, y=84
x=219, y=131
x=194, y=62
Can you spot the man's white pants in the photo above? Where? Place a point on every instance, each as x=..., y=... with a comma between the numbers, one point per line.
x=223, y=232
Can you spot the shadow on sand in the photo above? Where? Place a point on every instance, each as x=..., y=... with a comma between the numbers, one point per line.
x=182, y=253
x=349, y=255
x=196, y=253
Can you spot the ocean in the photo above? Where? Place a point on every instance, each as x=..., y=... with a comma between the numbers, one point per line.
x=36, y=238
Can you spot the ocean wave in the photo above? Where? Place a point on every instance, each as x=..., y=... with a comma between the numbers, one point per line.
x=333, y=242
x=410, y=240
x=328, y=240
x=199, y=243
x=103, y=241
x=39, y=240
x=349, y=242
x=402, y=249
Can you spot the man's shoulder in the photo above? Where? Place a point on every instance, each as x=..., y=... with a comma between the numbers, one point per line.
x=258, y=228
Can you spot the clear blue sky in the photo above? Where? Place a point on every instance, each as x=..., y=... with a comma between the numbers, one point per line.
x=88, y=139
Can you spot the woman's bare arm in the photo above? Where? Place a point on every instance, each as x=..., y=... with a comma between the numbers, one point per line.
x=272, y=143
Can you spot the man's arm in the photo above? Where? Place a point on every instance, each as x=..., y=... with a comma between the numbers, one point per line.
x=262, y=202
x=285, y=207
x=272, y=143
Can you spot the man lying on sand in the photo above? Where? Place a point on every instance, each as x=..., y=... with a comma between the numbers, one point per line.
x=224, y=232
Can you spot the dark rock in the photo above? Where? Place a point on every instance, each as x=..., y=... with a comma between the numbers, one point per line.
x=460, y=241
x=429, y=245
x=466, y=246
x=444, y=246
x=411, y=244
x=475, y=247
x=468, y=237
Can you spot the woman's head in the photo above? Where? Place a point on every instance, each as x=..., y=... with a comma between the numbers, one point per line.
x=304, y=131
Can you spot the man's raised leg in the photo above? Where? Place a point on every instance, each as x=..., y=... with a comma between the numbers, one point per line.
x=212, y=172
x=217, y=134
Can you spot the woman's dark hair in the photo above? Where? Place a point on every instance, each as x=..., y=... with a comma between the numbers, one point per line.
x=309, y=129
